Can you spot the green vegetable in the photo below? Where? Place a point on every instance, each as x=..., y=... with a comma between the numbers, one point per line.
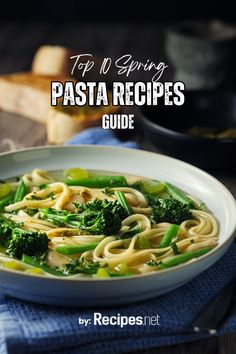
x=42, y=265
x=97, y=217
x=170, y=210
x=184, y=257
x=102, y=273
x=76, y=173
x=203, y=207
x=122, y=268
x=67, y=250
x=32, y=243
x=98, y=182
x=79, y=266
x=120, y=196
x=34, y=271
x=74, y=267
x=176, y=193
x=18, y=241
x=16, y=265
x=6, y=201
x=6, y=228
x=149, y=187
x=20, y=192
x=5, y=190
x=169, y=235
x=143, y=242
x=100, y=205
x=43, y=186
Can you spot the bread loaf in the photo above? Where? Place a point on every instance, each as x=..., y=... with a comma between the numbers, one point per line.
x=27, y=94
x=52, y=61
x=56, y=60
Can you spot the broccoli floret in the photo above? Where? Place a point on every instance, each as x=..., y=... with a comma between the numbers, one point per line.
x=97, y=217
x=101, y=217
x=57, y=217
x=31, y=243
x=17, y=241
x=98, y=205
x=6, y=227
x=170, y=210
x=102, y=222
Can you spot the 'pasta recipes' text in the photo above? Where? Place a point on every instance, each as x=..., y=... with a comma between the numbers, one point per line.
x=119, y=93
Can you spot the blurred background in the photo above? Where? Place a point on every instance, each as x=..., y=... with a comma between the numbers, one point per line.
x=196, y=40
x=105, y=28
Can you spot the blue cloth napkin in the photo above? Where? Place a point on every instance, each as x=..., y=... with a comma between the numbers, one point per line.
x=99, y=136
x=27, y=328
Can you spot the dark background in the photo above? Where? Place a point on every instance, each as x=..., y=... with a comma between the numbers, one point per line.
x=103, y=28
x=151, y=10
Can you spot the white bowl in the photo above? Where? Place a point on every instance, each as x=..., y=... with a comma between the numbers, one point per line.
x=118, y=290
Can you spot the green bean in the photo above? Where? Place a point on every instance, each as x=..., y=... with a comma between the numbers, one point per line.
x=178, y=194
x=169, y=234
x=184, y=257
x=6, y=201
x=5, y=190
x=20, y=192
x=98, y=182
x=34, y=263
x=75, y=249
x=120, y=196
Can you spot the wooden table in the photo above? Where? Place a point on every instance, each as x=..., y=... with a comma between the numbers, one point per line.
x=18, y=42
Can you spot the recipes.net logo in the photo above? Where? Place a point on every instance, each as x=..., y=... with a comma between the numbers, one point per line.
x=119, y=320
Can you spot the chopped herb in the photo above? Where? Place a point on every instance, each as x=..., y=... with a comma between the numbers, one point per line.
x=174, y=248
x=153, y=263
x=31, y=211
x=51, y=195
x=108, y=191
x=43, y=186
x=34, y=197
x=203, y=207
x=192, y=241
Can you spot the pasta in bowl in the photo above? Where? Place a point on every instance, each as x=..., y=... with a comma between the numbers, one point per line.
x=101, y=234
x=84, y=223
